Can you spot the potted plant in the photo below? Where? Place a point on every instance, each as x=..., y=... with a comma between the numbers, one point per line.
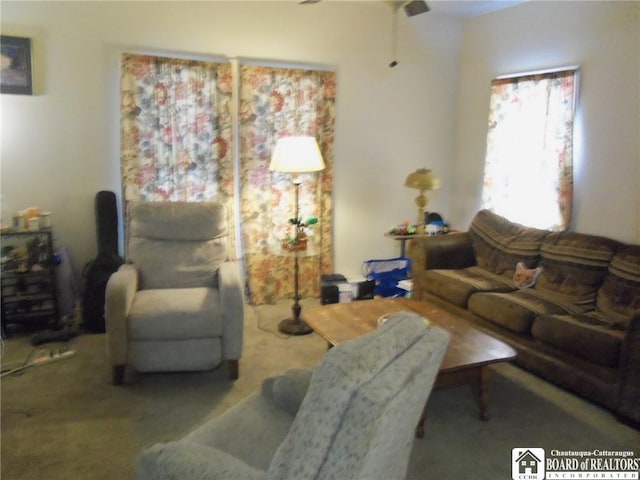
x=298, y=240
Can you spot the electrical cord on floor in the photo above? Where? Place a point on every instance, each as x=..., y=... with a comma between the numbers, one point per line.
x=24, y=364
x=268, y=330
x=37, y=356
x=11, y=365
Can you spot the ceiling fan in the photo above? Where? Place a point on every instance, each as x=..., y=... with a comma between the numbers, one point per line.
x=411, y=8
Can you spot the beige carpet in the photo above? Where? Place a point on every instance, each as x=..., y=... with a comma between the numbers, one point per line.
x=66, y=421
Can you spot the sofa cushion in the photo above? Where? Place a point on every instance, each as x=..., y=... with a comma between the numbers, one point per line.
x=515, y=310
x=619, y=296
x=175, y=314
x=456, y=286
x=499, y=244
x=575, y=265
x=590, y=336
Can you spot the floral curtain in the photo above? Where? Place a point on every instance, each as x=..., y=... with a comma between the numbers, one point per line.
x=276, y=102
x=176, y=131
x=529, y=161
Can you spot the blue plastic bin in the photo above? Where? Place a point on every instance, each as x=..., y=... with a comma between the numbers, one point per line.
x=387, y=273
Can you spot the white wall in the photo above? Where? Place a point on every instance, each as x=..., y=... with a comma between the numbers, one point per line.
x=603, y=38
x=60, y=146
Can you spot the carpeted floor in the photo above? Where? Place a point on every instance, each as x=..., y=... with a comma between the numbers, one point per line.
x=66, y=421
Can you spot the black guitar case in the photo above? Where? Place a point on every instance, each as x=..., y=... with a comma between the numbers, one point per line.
x=97, y=272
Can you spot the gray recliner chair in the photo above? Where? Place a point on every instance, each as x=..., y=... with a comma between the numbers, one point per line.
x=177, y=304
x=352, y=418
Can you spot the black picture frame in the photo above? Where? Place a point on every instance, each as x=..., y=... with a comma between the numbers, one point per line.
x=15, y=67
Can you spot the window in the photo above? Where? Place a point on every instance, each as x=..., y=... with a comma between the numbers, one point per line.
x=528, y=174
x=175, y=129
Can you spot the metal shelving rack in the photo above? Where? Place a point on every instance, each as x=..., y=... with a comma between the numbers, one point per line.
x=28, y=280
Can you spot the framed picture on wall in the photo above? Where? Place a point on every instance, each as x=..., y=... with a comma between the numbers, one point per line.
x=15, y=65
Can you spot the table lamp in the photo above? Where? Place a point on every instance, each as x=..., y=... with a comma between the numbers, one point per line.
x=422, y=180
x=296, y=155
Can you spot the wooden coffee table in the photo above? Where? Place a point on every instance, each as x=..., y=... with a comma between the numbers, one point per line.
x=468, y=355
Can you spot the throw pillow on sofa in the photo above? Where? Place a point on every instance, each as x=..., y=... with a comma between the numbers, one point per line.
x=525, y=277
x=574, y=267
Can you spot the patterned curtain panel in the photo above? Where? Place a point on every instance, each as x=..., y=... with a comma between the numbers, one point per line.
x=276, y=102
x=529, y=161
x=176, y=131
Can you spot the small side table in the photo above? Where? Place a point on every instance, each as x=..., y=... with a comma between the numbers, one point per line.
x=404, y=238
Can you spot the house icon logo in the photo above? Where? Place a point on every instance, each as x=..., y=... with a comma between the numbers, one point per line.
x=527, y=464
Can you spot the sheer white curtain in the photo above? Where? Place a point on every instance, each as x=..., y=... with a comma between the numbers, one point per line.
x=528, y=174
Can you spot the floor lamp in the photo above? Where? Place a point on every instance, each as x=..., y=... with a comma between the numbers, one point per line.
x=296, y=155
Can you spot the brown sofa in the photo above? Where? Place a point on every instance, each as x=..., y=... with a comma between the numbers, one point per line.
x=577, y=326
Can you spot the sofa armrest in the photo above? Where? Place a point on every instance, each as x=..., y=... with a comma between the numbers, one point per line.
x=452, y=251
x=232, y=306
x=288, y=390
x=121, y=289
x=629, y=396
x=165, y=461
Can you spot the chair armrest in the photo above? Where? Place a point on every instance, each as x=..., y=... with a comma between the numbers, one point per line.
x=165, y=461
x=629, y=395
x=451, y=251
x=232, y=306
x=121, y=289
x=288, y=390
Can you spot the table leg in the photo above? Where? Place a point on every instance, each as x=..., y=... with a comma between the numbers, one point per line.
x=483, y=393
x=478, y=377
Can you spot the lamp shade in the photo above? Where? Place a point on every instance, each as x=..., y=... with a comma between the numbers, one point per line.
x=296, y=155
x=422, y=179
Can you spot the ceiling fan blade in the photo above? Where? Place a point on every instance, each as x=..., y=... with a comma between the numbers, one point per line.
x=303, y=2
x=416, y=7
